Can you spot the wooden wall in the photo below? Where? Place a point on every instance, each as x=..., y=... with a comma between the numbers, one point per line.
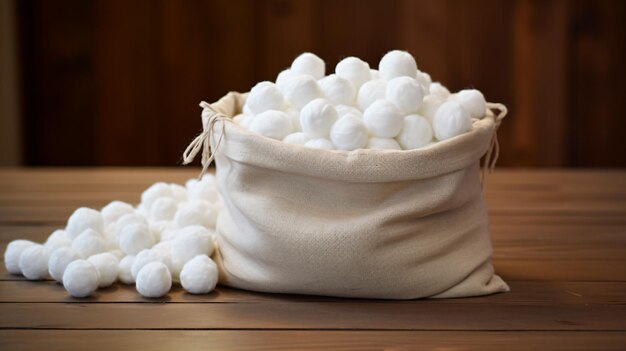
x=117, y=82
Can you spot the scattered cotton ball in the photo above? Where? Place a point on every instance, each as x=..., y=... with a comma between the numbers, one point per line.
x=197, y=212
x=424, y=79
x=406, y=93
x=320, y=143
x=199, y=275
x=301, y=89
x=451, y=120
x=81, y=278
x=298, y=138
x=154, y=280
x=416, y=132
x=34, y=262
x=439, y=90
x=397, y=63
x=114, y=210
x=374, y=74
x=349, y=133
x=89, y=242
x=59, y=260
x=124, y=269
x=383, y=144
x=272, y=124
x=57, y=239
x=317, y=117
x=106, y=263
x=265, y=96
x=179, y=192
x=163, y=208
x=151, y=255
x=337, y=90
x=12, y=255
x=343, y=110
x=294, y=117
x=205, y=190
x=191, y=241
x=472, y=101
x=155, y=191
x=134, y=238
x=354, y=70
x=84, y=218
x=429, y=107
x=383, y=119
x=308, y=63
x=370, y=92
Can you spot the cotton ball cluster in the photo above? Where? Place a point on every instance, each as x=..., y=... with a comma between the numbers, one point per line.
x=135, y=237
x=154, y=280
x=383, y=119
x=84, y=218
x=338, y=90
x=272, y=124
x=59, y=260
x=150, y=255
x=12, y=255
x=107, y=265
x=81, y=278
x=163, y=208
x=204, y=189
x=397, y=63
x=191, y=241
x=114, y=210
x=265, y=96
x=354, y=70
x=349, y=133
x=199, y=275
x=34, y=262
x=406, y=93
x=308, y=63
x=198, y=212
x=317, y=117
x=451, y=120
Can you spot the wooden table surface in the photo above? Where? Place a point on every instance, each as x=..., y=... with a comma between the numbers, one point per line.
x=559, y=240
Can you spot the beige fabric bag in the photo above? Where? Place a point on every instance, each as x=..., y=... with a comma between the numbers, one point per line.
x=367, y=223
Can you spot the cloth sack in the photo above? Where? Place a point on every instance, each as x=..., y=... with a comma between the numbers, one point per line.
x=382, y=224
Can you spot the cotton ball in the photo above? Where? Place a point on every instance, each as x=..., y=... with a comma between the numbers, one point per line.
x=34, y=262
x=81, y=278
x=317, y=117
x=265, y=96
x=179, y=192
x=106, y=263
x=89, y=242
x=59, y=260
x=374, y=74
x=124, y=269
x=338, y=90
x=246, y=111
x=416, y=132
x=199, y=275
x=205, y=190
x=383, y=119
x=429, y=107
x=163, y=208
x=343, y=110
x=272, y=124
x=12, y=254
x=294, y=117
x=84, y=218
x=308, y=63
x=349, y=133
x=354, y=70
x=406, y=93
x=370, y=92
x=118, y=253
x=451, y=120
x=57, y=239
x=383, y=144
x=301, y=89
x=197, y=212
x=282, y=79
x=424, y=79
x=114, y=210
x=157, y=228
x=320, y=143
x=154, y=280
x=439, y=90
x=134, y=238
x=298, y=138
x=191, y=241
x=155, y=191
x=472, y=101
x=397, y=63
x=151, y=255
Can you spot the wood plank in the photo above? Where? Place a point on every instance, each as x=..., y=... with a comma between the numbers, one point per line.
x=63, y=340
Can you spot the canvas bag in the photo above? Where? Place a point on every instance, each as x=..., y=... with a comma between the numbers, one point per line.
x=383, y=224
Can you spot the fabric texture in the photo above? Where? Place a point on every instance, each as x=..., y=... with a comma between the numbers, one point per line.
x=382, y=224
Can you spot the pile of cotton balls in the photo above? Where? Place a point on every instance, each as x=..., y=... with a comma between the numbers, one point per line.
x=394, y=107
x=169, y=237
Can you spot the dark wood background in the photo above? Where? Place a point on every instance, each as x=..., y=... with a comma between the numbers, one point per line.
x=117, y=82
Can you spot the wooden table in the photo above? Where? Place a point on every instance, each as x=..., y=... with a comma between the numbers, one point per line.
x=559, y=240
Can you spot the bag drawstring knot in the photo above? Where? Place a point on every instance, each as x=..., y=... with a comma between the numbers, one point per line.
x=203, y=140
x=491, y=157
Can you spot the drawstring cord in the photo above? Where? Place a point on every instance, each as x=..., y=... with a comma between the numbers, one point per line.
x=493, y=152
x=203, y=140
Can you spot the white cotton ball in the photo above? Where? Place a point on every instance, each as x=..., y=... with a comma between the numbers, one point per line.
x=154, y=280
x=383, y=119
x=425, y=81
x=12, y=254
x=343, y=110
x=118, y=253
x=294, y=117
x=451, y=120
x=149, y=255
x=57, y=239
x=199, y=275
x=163, y=208
x=205, y=189
x=397, y=63
x=370, y=92
x=472, y=101
x=349, y=133
x=439, y=90
x=374, y=74
x=298, y=138
x=354, y=70
x=282, y=79
x=301, y=89
x=157, y=228
x=308, y=63
x=84, y=218
x=124, y=269
x=429, y=107
x=106, y=263
x=338, y=90
x=265, y=96
x=416, y=132
x=129, y=219
x=114, y=210
x=135, y=237
x=272, y=124
x=155, y=191
x=246, y=111
x=34, y=262
x=317, y=117
x=191, y=241
x=89, y=242
x=383, y=144
x=406, y=93
x=197, y=212
x=59, y=260
x=320, y=143
x=179, y=192
x=81, y=278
